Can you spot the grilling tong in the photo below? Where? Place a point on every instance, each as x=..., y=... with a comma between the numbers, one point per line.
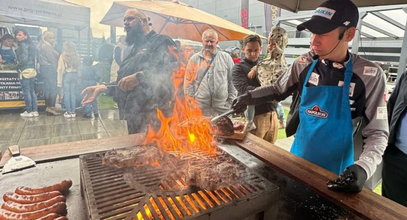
x=217, y=118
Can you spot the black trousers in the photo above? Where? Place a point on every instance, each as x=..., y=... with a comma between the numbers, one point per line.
x=394, y=175
x=48, y=75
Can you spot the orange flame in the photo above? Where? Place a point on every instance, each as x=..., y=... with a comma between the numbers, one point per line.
x=186, y=129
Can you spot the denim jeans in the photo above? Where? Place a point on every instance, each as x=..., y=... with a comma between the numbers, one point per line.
x=280, y=112
x=91, y=107
x=69, y=86
x=30, y=98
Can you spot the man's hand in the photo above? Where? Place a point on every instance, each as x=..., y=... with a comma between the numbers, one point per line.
x=351, y=180
x=130, y=82
x=90, y=93
x=252, y=73
x=241, y=102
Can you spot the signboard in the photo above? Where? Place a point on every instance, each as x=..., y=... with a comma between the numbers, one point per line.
x=11, y=95
x=244, y=13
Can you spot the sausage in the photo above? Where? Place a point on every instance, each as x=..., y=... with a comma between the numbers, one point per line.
x=62, y=187
x=51, y=216
x=28, y=199
x=19, y=208
x=59, y=207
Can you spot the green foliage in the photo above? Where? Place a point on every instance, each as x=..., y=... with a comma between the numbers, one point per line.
x=105, y=102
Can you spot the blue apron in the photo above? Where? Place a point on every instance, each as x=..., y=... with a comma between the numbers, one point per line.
x=325, y=133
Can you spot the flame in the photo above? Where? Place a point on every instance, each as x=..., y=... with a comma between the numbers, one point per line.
x=186, y=129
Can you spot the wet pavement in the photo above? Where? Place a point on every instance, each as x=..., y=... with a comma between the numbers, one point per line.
x=45, y=129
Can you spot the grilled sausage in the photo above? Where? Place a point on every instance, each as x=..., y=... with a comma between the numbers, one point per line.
x=59, y=207
x=28, y=199
x=51, y=216
x=62, y=187
x=19, y=208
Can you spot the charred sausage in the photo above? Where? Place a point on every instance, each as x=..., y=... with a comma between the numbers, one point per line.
x=62, y=187
x=28, y=199
x=51, y=216
x=19, y=208
x=59, y=207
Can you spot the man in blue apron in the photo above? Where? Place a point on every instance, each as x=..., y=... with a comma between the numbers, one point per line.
x=337, y=90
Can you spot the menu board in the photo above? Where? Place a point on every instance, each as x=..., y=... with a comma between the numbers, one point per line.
x=11, y=95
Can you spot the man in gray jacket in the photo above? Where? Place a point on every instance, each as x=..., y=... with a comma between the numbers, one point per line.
x=208, y=77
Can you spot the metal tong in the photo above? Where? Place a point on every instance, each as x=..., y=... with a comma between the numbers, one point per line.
x=216, y=118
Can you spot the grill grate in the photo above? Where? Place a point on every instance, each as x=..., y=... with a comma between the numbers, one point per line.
x=161, y=193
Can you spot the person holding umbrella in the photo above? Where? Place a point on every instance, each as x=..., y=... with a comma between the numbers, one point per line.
x=338, y=92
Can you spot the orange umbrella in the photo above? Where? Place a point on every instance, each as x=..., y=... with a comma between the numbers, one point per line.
x=177, y=20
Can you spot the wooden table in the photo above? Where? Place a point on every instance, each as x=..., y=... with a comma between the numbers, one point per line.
x=365, y=204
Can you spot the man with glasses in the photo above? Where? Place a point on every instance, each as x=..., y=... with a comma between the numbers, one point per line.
x=208, y=77
x=144, y=79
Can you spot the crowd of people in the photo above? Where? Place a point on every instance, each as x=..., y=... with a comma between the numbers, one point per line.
x=61, y=74
x=336, y=94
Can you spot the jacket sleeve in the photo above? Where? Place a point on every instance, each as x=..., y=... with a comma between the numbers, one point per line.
x=231, y=88
x=240, y=80
x=376, y=131
x=48, y=53
x=190, y=77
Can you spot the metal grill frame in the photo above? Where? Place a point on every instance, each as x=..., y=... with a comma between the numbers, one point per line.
x=109, y=196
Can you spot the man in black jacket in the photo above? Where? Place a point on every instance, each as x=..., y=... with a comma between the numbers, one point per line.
x=144, y=78
x=394, y=172
x=265, y=118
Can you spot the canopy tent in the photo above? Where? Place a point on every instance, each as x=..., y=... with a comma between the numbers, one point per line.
x=301, y=5
x=177, y=20
x=46, y=13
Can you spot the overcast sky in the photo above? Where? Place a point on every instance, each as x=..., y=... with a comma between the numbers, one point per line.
x=98, y=9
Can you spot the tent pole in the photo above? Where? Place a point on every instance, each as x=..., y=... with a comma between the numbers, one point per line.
x=112, y=34
x=355, y=43
x=403, y=53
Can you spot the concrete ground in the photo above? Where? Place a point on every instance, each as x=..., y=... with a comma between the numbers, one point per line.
x=45, y=129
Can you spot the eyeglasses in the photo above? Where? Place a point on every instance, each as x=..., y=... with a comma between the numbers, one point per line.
x=130, y=18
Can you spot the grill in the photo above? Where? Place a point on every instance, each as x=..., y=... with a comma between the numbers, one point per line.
x=161, y=193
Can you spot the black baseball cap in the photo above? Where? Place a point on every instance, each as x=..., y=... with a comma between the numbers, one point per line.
x=330, y=15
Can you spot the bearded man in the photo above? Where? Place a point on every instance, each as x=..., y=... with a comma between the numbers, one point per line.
x=144, y=77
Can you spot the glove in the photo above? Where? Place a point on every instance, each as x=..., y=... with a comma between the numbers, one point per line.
x=351, y=180
x=241, y=102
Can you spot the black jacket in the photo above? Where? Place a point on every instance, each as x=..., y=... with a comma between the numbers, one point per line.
x=396, y=106
x=243, y=84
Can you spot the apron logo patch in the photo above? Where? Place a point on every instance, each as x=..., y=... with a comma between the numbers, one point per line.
x=370, y=71
x=302, y=60
x=317, y=112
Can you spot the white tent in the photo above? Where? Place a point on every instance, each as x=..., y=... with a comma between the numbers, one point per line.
x=47, y=13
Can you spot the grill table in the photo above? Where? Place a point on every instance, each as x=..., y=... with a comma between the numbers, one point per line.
x=160, y=193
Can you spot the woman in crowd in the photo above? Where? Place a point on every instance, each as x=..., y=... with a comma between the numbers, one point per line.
x=67, y=77
x=48, y=60
x=7, y=50
x=25, y=54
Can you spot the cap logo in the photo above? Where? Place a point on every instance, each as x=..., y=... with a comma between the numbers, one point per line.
x=346, y=23
x=324, y=12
